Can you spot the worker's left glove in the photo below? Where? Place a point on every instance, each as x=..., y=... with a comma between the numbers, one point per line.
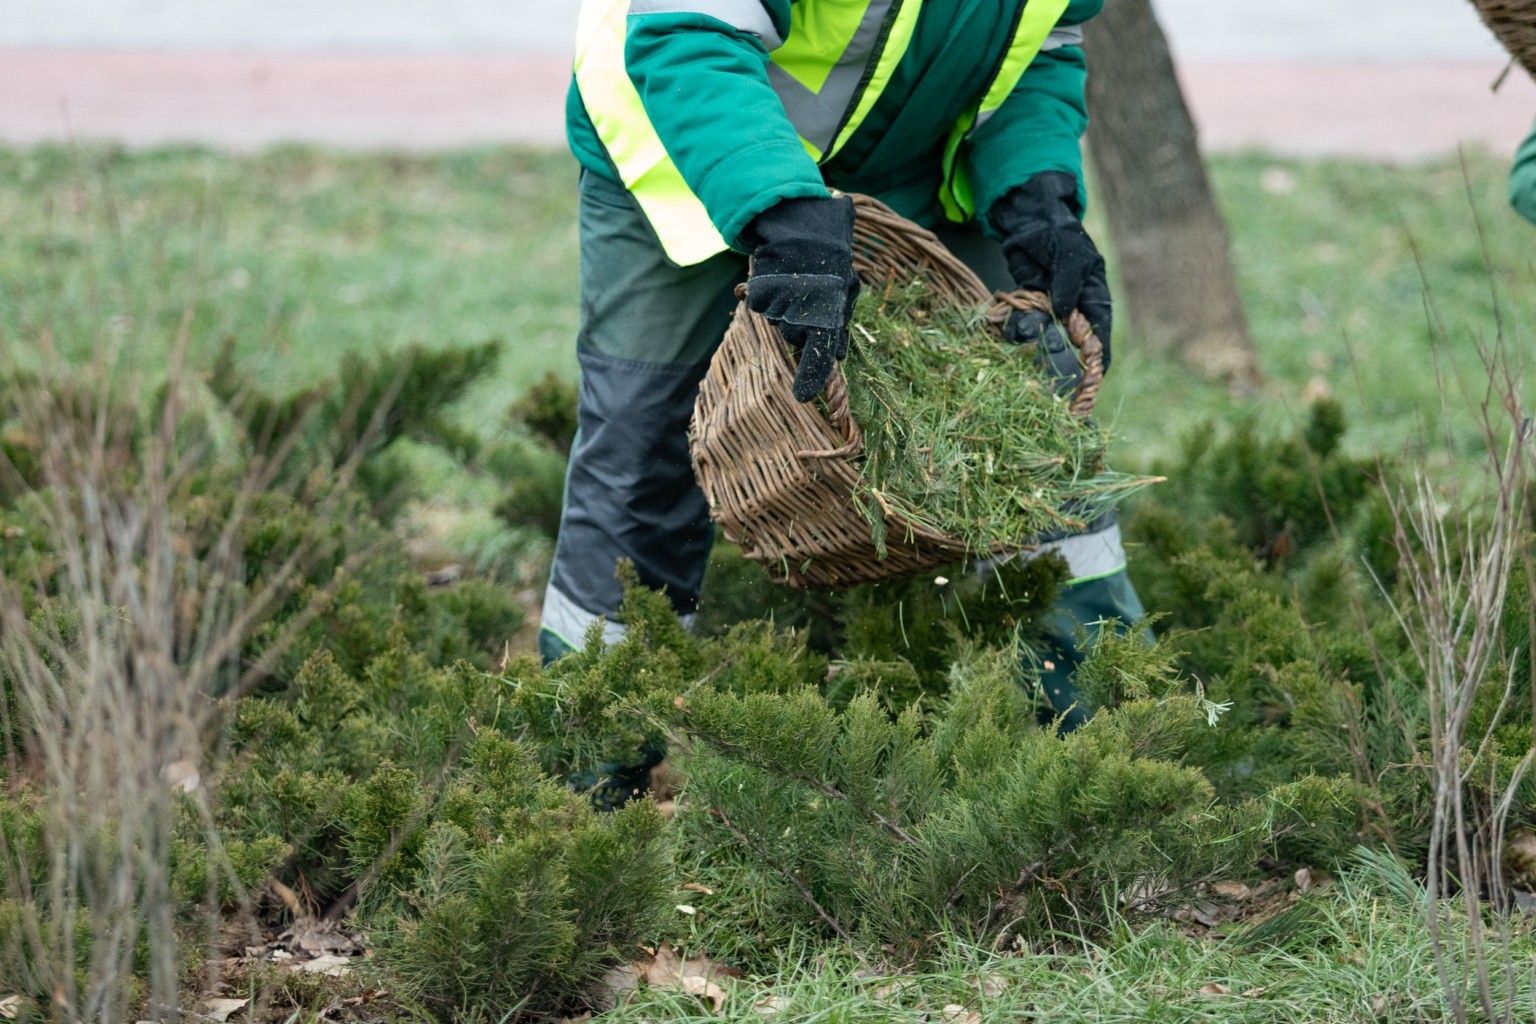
x=803, y=281
x=1048, y=251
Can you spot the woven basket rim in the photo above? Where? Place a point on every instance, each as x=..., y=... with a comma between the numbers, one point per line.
x=790, y=504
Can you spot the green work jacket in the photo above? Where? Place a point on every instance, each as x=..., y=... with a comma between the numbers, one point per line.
x=705, y=87
x=1522, y=180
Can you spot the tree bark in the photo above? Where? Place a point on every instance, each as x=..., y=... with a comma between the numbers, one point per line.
x=1177, y=283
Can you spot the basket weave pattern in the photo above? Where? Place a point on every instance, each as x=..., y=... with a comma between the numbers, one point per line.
x=780, y=475
x=1514, y=22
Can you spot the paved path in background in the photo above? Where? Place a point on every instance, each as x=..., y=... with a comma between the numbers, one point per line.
x=433, y=101
x=1201, y=30
x=1384, y=78
x=246, y=101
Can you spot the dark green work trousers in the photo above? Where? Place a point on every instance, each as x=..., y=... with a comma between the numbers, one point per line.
x=648, y=329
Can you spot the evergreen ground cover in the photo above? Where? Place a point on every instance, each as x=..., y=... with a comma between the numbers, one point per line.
x=875, y=820
x=1355, y=951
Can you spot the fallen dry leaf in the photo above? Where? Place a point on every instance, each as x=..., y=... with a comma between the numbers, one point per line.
x=705, y=989
x=1378, y=1005
x=684, y=908
x=890, y=990
x=617, y=986
x=220, y=1009
x=183, y=775
x=696, y=887
x=697, y=976
x=330, y=965
x=990, y=986
x=666, y=780
x=703, y=967
x=770, y=1005
x=10, y=1007
x=444, y=577
x=318, y=936
x=1206, y=914
x=1215, y=989
x=954, y=1013
x=665, y=970
x=1231, y=890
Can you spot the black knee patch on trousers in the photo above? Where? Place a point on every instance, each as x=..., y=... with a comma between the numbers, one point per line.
x=630, y=492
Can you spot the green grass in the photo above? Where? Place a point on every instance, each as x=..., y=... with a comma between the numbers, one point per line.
x=1355, y=951
x=298, y=254
x=1335, y=259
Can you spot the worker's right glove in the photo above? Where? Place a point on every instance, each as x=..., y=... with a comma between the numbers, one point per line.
x=1048, y=251
x=802, y=280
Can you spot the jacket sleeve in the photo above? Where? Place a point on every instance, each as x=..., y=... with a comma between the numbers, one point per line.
x=1522, y=180
x=1040, y=125
x=701, y=69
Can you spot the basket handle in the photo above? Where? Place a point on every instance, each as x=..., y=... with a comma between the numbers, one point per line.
x=1090, y=351
x=841, y=418
x=839, y=415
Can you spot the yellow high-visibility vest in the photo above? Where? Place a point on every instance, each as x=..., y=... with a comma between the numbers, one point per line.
x=817, y=72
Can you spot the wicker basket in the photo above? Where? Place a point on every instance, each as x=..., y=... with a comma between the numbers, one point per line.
x=1514, y=22
x=779, y=475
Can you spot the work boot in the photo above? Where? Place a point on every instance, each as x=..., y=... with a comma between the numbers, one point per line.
x=613, y=785
x=1091, y=604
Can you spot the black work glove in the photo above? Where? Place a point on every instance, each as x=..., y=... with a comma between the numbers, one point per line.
x=1048, y=251
x=802, y=281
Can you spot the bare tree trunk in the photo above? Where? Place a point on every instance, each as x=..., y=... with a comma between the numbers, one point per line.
x=1178, y=286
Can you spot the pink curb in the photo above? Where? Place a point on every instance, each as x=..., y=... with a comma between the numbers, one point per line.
x=1384, y=111
x=245, y=101
x=433, y=101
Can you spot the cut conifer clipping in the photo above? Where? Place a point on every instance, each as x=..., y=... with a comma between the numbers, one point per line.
x=955, y=470
x=964, y=432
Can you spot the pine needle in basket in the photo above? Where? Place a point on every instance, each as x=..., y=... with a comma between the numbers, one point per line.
x=963, y=432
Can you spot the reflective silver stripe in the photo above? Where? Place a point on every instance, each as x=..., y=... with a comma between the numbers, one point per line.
x=1063, y=35
x=818, y=115
x=1089, y=556
x=570, y=621
x=750, y=16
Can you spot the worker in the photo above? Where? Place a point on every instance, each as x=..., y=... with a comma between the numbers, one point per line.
x=711, y=131
x=1522, y=179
